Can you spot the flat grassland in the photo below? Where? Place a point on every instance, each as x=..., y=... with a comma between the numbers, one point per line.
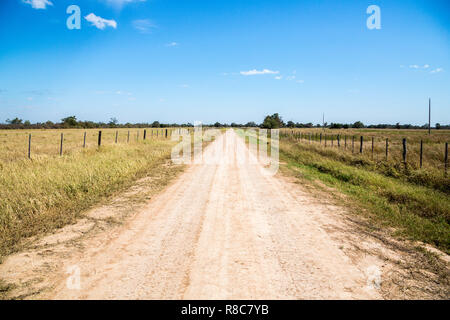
x=49, y=190
x=412, y=201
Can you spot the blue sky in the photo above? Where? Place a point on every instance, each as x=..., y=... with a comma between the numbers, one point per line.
x=183, y=61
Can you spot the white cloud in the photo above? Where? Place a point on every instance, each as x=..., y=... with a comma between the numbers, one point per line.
x=437, y=70
x=143, y=25
x=38, y=4
x=258, y=72
x=120, y=3
x=279, y=77
x=99, y=22
x=172, y=44
x=290, y=78
x=416, y=66
x=300, y=81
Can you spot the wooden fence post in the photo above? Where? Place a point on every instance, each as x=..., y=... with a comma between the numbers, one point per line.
x=421, y=153
x=128, y=137
x=404, y=150
x=321, y=138
x=29, y=146
x=387, y=148
x=345, y=142
x=339, y=140
x=166, y=133
x=145, y=134
x=446, y=159
x=99, y=138
x=84, y=140
x=372, y=147
x=361, y=145
x=61, y=145
x=117, y=135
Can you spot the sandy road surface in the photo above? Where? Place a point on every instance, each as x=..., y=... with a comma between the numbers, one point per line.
x=225, y=231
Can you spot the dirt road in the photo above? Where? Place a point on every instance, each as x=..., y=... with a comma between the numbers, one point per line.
x=225, y=231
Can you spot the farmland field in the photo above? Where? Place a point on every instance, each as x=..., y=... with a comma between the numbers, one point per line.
x=47, y=143
x=280, y=233
x=433, y=145
x=414, y=201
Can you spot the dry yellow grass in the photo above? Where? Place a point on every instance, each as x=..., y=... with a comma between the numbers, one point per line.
x=46, y=143
x=433, y=145
x=431, y=174
x=49, y=191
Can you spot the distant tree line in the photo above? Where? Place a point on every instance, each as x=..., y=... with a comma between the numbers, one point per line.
x=72, y=122
x=273, y=121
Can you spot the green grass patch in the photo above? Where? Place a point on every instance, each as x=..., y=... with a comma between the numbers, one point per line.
x=416, y=212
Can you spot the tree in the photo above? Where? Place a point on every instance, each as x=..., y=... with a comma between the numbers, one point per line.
x=156, y=124
x=358, y=125
x=438, y=126
x=217, y=125
x=14, y=121
x=70, y=121
x=290, y=124
x=27, y=123
x=113, y=122
x=49, y=124
x=336, y=126
x=272, y=122
x=251, y=124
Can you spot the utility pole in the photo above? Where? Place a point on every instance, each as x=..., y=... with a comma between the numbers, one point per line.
x=429, y=116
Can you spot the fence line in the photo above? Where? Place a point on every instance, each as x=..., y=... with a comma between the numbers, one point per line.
x=319, y=138
x=165, y=133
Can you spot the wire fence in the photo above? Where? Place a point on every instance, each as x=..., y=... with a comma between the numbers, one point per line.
x=16, y=145
x=413, y=152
